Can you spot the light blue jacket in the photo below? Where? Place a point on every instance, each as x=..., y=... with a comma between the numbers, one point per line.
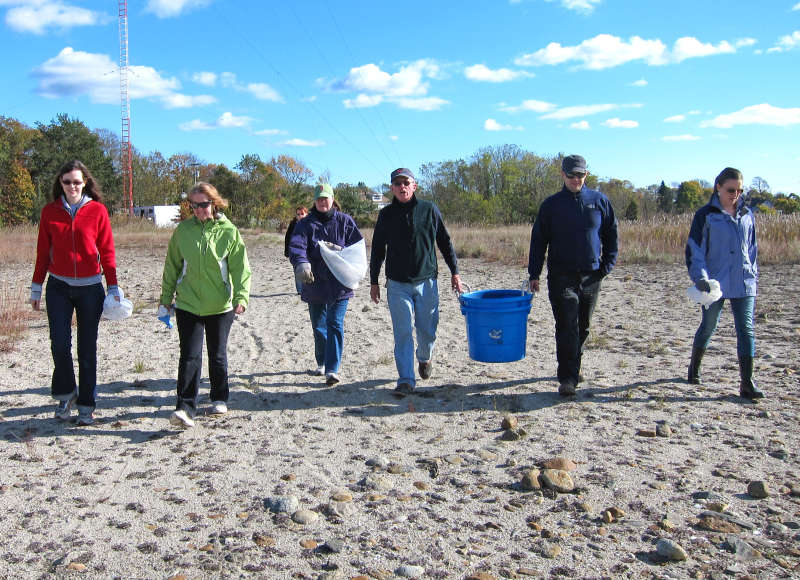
x=724, y=248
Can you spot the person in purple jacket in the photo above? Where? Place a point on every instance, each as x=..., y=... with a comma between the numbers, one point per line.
x=327, y=298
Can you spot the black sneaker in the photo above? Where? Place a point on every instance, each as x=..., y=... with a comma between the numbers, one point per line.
x=425, y=369
x=566, y=389
x=403, y=389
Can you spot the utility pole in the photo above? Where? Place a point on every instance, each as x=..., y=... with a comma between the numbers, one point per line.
x=126, y=149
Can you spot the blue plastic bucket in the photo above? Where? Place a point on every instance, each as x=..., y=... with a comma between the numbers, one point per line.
x=497, y=324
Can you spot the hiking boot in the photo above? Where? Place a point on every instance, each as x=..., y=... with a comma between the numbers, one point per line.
x=425, y=369
x=319, y=372
x=65, y=407
x=331, y=379
x=181, y=418
x=693, y=376
x=747, y=387
x=218, y=408
x=85, y=418
x=566, y=389
x=404, y=389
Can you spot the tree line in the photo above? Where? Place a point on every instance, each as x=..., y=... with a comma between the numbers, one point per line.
x=495, y=186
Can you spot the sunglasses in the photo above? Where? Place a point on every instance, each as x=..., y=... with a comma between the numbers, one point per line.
x=199, y=204
x=574, y=175
x=401, y=182
x=733, y=190
x=68, y=182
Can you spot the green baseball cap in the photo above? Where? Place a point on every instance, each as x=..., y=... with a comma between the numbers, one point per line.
x=323, y=190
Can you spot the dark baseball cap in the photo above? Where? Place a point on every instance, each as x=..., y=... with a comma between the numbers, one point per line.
x=573, y=164
x=402, y=172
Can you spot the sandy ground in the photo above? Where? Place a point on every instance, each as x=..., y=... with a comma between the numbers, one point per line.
x=300, y=480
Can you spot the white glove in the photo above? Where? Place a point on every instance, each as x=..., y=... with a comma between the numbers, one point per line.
x=303, y=273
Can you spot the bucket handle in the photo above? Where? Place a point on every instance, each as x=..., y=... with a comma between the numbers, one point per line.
x=466, y=287
x=526, y=289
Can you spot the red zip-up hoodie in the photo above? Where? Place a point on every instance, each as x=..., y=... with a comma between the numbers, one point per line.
x=77, y=247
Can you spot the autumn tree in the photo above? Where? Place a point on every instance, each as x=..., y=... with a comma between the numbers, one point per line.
x=689, y=196
x=16, y=187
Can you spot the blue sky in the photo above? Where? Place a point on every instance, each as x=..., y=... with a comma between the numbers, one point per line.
x=644, y=90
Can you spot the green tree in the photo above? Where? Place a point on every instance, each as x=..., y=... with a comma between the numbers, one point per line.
x=666, y=198
x=63, y=140
x=16, y=187
x=356, y=200
x=632, y=211
x=689, y=197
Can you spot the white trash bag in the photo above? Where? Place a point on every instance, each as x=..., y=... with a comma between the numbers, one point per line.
x=705, y=299
x=114, y=310
x=349, y=264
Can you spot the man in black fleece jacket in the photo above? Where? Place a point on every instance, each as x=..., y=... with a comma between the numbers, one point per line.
x=577, y=229
x=406, y=235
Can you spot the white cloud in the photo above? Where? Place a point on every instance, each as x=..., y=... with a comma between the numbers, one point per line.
x=763, y=114
x=742, y=42
x=38, y=16
x=492, y=125
x=529, y=105
x=786, y=43
x=303, y=143
x=195, y=125
x=171, y=8
x=617, y=123
x=796, y=7
x=675, y=119
x=580, y=125
x=394, y=138
x=607, y=51
x=639, y=83
x=482, y=73
x=263, y=92
x=581, y=6
x=75, y=73
x=685, y=137
x=421, y=104
x=407, y=88
x=208, y=79
x=179, y=101
x=225, y=121
x=228, y=119
x=228, y=79
x=362, y=101
x=265, y=132
x=584, y=110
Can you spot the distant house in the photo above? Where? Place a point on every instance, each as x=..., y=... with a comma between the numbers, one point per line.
x=378, y=199
x=164, y=216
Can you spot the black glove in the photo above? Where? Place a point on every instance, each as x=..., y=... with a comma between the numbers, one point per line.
x=703, y=286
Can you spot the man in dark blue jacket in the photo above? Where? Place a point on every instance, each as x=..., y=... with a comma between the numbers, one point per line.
x=406, y=234
x=577, y=230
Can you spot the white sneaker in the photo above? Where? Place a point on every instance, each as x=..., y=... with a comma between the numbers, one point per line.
x=218, y=408
x=65, y=407
x=85, y=419
x=331, y=379
x=319, y=372
x=181, y=418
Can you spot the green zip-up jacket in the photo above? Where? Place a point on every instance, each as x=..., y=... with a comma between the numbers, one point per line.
x=206, y=268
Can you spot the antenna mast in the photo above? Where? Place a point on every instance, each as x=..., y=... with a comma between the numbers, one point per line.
x=126, y=150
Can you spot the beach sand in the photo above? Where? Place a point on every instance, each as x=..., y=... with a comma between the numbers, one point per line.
x=300, y=480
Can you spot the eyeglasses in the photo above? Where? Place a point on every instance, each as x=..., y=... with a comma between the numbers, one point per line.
x=199, y=204
x=733, y=190
x=401, y=182
x=68, y=183
x=574, y=175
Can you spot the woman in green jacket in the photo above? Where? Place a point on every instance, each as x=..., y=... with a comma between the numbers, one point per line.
x=207, y=272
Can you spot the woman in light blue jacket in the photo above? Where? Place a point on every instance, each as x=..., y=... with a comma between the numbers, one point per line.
x=722, y=246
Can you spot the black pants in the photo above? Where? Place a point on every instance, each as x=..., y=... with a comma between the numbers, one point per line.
x=573, y=296
x=191, y=328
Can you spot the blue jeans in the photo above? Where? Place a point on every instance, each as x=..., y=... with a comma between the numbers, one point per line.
x=573, y=296
x=417, y=304
x=742, y=309
x=87, y=303
x=191, y=328
x=327, y=321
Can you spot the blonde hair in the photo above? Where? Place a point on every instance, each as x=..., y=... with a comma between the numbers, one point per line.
x=211, y=192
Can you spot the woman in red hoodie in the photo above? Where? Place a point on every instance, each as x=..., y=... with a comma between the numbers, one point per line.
x=75, y=247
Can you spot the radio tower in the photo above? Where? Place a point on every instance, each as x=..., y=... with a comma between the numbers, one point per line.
x=126, y=150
